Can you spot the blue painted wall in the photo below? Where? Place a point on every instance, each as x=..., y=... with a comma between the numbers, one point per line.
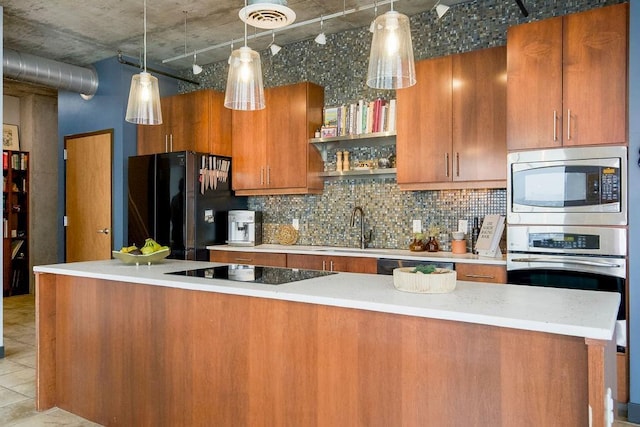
x=634, y=208
x=105, y=110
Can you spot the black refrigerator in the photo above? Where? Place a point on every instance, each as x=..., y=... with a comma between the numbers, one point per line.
x=181, y=200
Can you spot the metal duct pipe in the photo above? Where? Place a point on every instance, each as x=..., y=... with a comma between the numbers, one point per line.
x=34, y=69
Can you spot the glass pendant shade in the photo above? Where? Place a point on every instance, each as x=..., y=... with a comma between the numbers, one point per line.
x=244, y=83
x=143, y=107
x=391, y=64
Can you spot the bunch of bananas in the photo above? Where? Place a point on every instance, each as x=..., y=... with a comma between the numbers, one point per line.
x=150, y=246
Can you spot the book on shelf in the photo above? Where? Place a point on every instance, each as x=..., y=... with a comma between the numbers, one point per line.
x=362, y=117
x=15, y=247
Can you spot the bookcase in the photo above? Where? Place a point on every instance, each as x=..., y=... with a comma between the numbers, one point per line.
x=15, y=228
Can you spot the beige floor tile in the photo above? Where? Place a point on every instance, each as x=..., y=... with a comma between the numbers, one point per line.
x=16, y=378
x=10, y=397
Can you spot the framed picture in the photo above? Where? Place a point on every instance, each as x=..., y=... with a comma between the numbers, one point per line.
x=10, y=138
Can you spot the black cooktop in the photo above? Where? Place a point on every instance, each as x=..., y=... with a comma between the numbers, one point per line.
x=253, y=274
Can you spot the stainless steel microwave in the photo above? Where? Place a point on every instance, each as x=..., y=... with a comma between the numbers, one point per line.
x=568, y=186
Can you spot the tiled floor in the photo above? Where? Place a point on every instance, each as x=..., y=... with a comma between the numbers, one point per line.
x=17, y=373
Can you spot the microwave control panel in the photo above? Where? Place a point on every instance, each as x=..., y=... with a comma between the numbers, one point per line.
x=610, y=185
x=564, y=241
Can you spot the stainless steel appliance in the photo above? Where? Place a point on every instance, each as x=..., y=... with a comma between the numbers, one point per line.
x=245, y=228
x=568, y=186
x=576, y=257
x=169, y=201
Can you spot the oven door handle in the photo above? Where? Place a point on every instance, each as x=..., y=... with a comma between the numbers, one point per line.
x=566, y=260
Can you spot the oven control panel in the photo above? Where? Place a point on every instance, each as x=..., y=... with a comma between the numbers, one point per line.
x=564, y=241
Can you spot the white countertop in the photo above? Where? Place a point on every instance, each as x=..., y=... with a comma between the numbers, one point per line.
x=368, y=253
x=587, y=314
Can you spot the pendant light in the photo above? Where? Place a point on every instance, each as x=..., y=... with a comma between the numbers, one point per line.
x=143, y=107
x=244, y=82
x=391, y=64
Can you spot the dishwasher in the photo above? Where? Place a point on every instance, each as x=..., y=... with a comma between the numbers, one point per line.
x=386, y=265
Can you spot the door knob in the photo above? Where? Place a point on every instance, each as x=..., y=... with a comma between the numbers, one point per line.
x=104, y=231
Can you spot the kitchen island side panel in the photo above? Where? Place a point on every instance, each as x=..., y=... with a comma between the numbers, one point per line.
x=133, y=354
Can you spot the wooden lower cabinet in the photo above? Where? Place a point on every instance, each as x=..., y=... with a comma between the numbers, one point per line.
x=249, y=258
x=333, y=263
x=482, y=273
x=164, y=356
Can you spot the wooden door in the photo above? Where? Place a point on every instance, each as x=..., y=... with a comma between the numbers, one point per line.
x=595, y=76
x=308, y=262
x=355, y=264
x=479, y=115
x=287, y=139
x=249, y=129
x=534, y=85
x=88, y=196
x=423, y=141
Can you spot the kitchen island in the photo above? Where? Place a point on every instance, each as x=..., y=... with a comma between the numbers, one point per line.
x=131, y=345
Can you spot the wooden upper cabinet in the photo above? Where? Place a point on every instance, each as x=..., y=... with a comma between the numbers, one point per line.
x=249, y=148
x=479, y=115
x=451, y=127
x=195, y=121
x=567, y=80
x=423, y=141
x=271, y=149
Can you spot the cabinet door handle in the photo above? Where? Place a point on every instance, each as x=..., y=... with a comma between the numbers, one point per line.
x=324, y=265
x=555, y=125
x=166, y=143
x=331, y=266
x=171, y=142
x=261, y=176
x=244, y=259
x=104, y=231
x=458, y=164
x=569, y=125
x=268, y=175
x=446, y=164
x=479, y=276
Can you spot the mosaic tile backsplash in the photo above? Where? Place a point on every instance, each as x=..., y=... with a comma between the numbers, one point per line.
x=340, y=67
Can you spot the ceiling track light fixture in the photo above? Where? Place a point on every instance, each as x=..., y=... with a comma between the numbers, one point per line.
x=143, y=106
x=391, y=64
x=244, y=82
x=195, y=68
x=273, y=47
x=299, y=24
x=321, y=38
x=441, y=9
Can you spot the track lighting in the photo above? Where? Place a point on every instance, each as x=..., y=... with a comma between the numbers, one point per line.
x=273, y=46
x=143, y=106
x=441, y=9
x=321, y=38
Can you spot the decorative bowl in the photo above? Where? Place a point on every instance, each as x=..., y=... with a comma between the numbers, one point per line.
x=441, y=281
x=141, y=259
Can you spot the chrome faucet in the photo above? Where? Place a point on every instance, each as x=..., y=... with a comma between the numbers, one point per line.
x=364, y=239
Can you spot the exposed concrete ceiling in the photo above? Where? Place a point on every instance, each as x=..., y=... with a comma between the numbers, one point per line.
x=81, y=33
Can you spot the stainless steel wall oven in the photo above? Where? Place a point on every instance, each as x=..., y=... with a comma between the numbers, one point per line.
x=576, y=257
